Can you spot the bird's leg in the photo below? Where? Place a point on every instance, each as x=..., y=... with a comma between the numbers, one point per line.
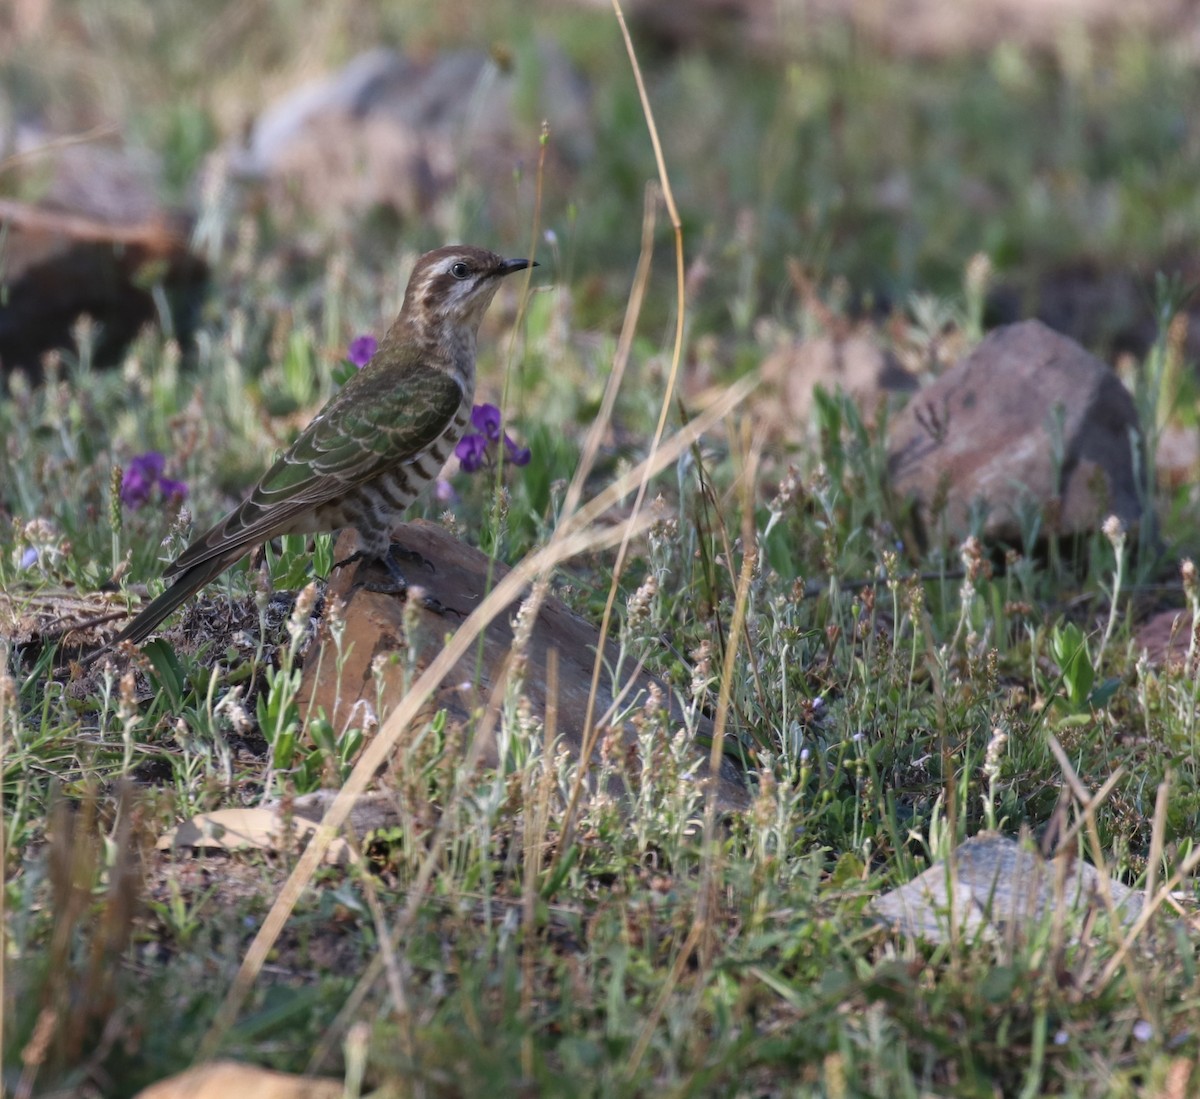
x=357, y=555
x=399, y=584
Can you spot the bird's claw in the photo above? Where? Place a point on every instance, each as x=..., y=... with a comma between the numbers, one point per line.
x=397, y=552
x=402, y=589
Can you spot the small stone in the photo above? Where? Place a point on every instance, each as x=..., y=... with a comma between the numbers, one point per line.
x=855, y=365
x=1000, y=887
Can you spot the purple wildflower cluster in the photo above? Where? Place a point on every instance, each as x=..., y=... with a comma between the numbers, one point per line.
x=144, y=475
x=474, y=449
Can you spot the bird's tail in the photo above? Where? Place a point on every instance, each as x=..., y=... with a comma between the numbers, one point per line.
x=188, y=583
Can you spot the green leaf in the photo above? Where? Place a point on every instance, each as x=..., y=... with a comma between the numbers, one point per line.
x=167, y=674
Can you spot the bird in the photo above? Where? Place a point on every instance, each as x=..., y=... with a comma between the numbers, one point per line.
x=378, y=442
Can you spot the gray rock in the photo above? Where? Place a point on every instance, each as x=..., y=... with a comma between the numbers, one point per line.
x=1028, y=429
x=389, y=130
x=997, y=887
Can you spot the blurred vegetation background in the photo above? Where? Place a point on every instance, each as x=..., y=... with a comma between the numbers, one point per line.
x=878, y=145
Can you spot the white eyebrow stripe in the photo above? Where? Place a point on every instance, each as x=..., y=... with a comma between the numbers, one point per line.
x=443, y=268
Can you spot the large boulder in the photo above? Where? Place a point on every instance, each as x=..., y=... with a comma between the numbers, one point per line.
x=89, y=237
x=403, y=133
x=1029, y=426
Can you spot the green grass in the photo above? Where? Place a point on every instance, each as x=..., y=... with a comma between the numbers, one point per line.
x=892, y=701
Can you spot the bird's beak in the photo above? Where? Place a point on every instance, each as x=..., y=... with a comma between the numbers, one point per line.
x=511, y=265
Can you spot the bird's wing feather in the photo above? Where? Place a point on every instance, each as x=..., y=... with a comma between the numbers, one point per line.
x=371, y=426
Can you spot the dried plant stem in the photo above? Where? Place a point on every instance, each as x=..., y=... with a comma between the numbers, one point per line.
x=416, y=894
x=590, y=732
x=1144, y=917
x=1088, y=809
x=697, y=934
x=538, y=800
x=1158, y=831
x=633, y=310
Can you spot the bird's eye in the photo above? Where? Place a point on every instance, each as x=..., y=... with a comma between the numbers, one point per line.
x=460, y=270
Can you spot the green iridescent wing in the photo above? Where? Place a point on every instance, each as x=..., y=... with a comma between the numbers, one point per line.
x=373, y=424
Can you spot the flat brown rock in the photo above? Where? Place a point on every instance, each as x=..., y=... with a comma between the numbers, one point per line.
x=1028, y=428
x=454, y=580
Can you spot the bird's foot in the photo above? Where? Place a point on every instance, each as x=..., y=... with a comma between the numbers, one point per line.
x=397, y=552
x=390, y=560
x=399, y=585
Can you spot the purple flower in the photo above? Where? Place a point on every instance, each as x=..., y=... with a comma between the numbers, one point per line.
x=135, y=489
x=443, y=491
x=150, y=465
x=475, y=450
x=172, y=490
x=140, y=479
x=518, y=455
x=1143, y=1031
x=29, y=558
x=361, y=350
x=486, y=418
x=471, y=452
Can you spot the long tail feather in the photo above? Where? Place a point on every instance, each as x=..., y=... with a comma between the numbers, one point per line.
x=189, y=582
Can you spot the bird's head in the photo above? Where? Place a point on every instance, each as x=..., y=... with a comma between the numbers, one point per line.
x=455, y=284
